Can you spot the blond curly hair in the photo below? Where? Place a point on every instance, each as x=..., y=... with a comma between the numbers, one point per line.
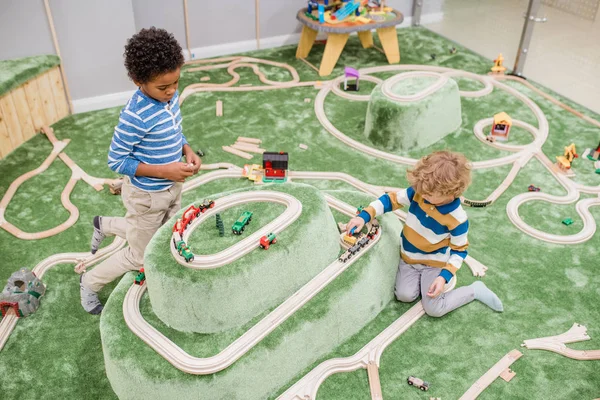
x=441, y=173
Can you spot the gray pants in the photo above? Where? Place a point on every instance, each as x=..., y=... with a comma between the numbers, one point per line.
x=415, y=279
x=146, y=212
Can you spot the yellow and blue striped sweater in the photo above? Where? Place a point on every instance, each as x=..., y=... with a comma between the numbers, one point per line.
x=433, y=235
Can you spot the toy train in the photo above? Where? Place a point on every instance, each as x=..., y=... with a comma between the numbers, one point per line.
x=190, y=215
x=361, y=241
x=239, y=225
x=140, y=278
x=183, y=250
x=268, y=240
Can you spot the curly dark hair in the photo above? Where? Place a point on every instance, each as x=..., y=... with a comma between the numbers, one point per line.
x=152, y=52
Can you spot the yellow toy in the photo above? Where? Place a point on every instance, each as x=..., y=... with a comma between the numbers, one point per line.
x=250, y=170
x=498, y=68
x=564, y=161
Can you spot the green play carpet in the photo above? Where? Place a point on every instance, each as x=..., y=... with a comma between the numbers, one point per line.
x=14, y=73
x=58, y=352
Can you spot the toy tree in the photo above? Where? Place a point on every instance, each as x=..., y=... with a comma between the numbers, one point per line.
x=220, y=225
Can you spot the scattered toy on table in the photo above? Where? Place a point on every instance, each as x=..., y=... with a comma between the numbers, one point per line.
x=140, y=278
x=268, y=240
x=359, y=209
x=219, y=225
x=219, y=108
x=351, y=73
x=275, y=165
x=240, y=225
x=564, y=161
x=490, y=138
x=501, y=126
x=421, y=384
x=597, y=166
x=532, y=188
x=21, y=294
x=303, y=146
x=498, y=68
x=453, y=50
x=567, y=221
x=200, y=153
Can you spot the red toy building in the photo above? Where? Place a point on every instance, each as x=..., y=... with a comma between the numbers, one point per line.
x=275, y=165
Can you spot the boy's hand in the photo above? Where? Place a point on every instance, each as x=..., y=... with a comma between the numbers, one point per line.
x=436, y=287
x=177, y=171
x=192, y=158
x=356, y=222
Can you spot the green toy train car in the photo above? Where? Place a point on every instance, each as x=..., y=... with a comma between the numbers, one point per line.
x=239, y=225
x=140, y=278
x=184, y=250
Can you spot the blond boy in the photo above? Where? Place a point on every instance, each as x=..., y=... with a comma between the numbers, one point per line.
x=433, y=243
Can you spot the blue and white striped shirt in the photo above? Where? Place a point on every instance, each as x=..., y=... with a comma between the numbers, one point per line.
x=148, y=132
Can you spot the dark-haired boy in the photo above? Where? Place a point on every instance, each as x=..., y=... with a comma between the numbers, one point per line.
x=146, y=147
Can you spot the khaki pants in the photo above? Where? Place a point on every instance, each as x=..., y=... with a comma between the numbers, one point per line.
x=146, y=212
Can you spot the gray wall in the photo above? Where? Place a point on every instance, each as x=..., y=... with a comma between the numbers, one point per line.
x=92, y=33
x=24, y=29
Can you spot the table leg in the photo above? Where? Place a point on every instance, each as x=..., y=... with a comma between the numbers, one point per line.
x=366, y=39
x=307, y=39
x=389, y=41
x=333, y=49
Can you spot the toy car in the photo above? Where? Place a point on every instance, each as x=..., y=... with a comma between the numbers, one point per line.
x=421, y=384
x=268, y=240
x=532, y=188
x=140, y=278
x=567, y=221
x=239, y=225
x=490, y=138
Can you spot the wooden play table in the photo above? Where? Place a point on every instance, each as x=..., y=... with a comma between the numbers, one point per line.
x=337, y=36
